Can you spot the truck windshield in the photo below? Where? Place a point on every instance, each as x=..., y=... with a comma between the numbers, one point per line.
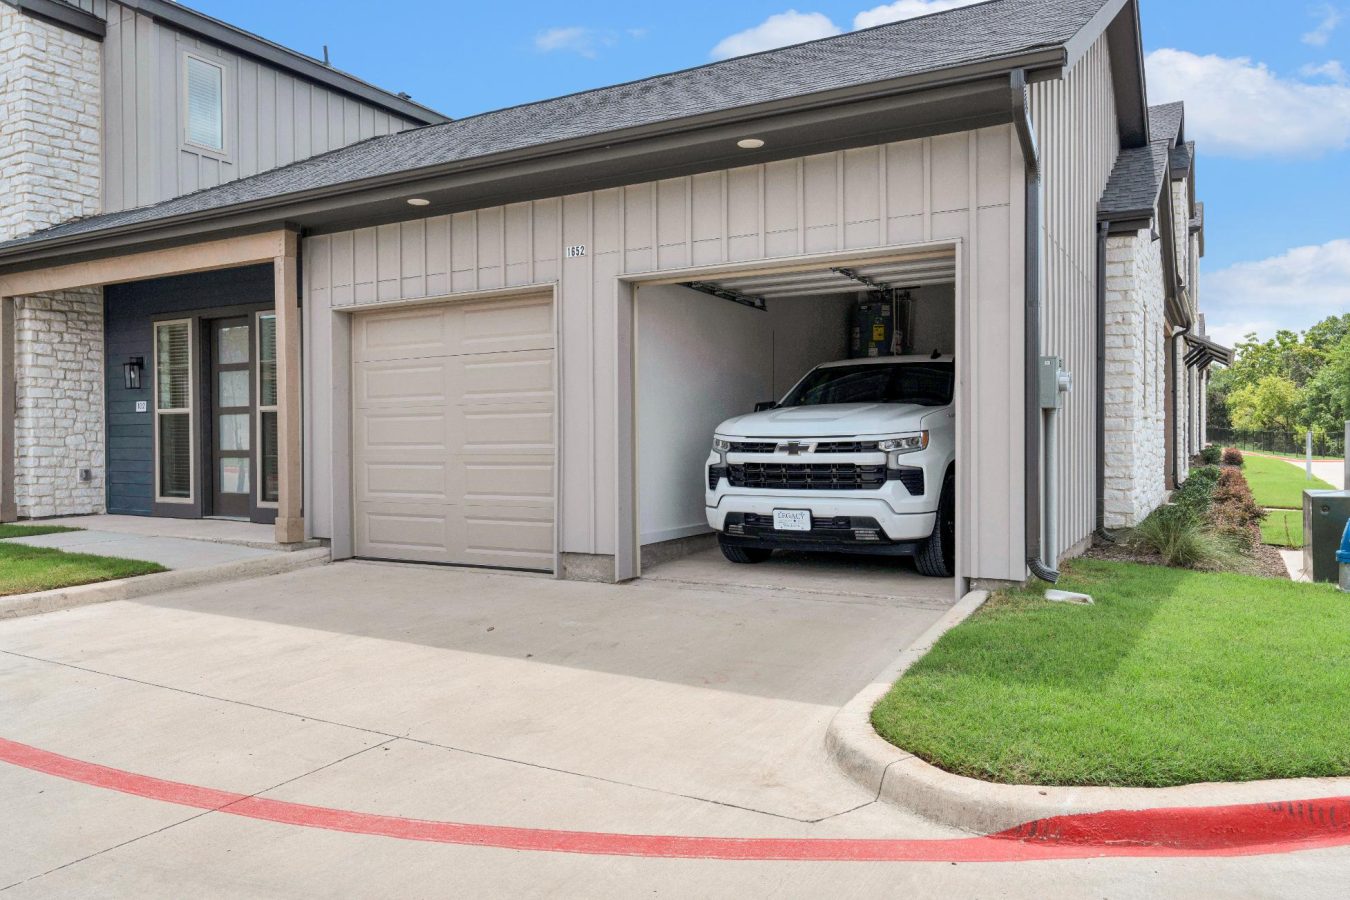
x=921, y=383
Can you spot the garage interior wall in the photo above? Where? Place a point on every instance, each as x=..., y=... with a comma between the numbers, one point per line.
x=700, y=361
x=956, y=188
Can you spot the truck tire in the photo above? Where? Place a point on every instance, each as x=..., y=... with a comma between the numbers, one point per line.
x=937, y=557
x=745, y=555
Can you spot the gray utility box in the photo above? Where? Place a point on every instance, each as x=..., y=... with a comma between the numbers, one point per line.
x=1324, y=517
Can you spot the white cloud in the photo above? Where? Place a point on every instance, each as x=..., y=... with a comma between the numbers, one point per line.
x=904, y=9
x=778, y=30
x=1332, y=70
x=577, y=39
x=1293, y=290
x=1329, y=19
x=1238, y=107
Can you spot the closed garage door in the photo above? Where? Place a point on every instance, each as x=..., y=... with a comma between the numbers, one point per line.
x=453, y=443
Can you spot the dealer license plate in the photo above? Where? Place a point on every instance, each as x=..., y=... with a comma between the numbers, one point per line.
x=792, y=520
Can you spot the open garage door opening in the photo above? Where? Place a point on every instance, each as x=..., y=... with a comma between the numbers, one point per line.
x=800, y=420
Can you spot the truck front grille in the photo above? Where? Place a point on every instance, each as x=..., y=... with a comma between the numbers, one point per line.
x=754, y=447
x=808, y=476
x=847, y=447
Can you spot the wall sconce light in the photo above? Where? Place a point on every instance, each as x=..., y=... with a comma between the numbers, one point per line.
x=131, y=372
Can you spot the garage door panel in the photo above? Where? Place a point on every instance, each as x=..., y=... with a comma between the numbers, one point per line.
x=508, y=537
x=524, y=377
x=455, y=329
x=505, y=325
x=453, y=448
x=507, y=379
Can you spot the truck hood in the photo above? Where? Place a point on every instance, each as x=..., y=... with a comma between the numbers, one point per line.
x=830, y=420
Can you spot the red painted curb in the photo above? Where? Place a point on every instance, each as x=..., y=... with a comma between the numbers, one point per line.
x=1205, y=831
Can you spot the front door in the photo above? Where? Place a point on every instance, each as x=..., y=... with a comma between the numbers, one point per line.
x=231, y=425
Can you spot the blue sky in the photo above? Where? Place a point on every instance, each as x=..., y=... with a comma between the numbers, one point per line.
x=1267, y=88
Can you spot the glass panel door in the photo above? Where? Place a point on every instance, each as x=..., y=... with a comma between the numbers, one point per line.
x=232, y=412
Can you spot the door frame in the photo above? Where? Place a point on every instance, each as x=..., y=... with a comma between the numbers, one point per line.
x=202, y=481
x=342, y=420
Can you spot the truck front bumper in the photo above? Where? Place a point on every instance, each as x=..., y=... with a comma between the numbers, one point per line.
x=848, y=519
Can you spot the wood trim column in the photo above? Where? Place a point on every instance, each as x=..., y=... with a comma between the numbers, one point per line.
x=290, y=524
x=8, y=507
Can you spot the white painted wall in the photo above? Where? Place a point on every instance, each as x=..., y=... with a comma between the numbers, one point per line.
x=700, y=361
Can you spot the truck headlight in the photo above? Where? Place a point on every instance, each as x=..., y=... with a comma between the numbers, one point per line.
x=721, y=446
x=906, y=443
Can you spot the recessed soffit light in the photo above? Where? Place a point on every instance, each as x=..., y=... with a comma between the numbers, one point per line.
x=750, y=143
x=418, y=201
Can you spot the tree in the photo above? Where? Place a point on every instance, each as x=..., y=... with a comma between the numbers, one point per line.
x=1326, y=398
x=1272, y=403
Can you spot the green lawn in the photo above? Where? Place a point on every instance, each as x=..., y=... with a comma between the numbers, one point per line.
x=1173, y=677
x=1283, y=528
x=1277, y=484
x=13, y=531
x=24, y=569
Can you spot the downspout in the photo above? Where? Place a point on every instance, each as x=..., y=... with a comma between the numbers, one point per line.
x=1103, y=231
x=1180, y=370
x=1026, y=136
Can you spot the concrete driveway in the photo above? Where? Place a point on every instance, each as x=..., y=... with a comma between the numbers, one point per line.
x=669, y=707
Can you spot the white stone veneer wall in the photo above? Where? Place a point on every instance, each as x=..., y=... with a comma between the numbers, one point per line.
x=1135, y=379
x=50, y=167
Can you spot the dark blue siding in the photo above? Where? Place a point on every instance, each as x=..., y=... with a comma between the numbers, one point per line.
x=129, y=310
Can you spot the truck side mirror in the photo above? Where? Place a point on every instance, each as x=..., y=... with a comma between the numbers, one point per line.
x=766, y=405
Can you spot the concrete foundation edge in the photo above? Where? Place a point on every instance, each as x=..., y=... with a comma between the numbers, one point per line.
x=146, y=585
x=901, y=778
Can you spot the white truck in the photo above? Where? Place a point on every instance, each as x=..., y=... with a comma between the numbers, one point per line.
x=859, y=457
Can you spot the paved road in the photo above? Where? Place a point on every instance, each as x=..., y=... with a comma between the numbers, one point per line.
x=666, y=708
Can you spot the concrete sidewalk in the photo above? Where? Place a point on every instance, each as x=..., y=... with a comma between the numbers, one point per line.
x=451, y=695
x=172, y=553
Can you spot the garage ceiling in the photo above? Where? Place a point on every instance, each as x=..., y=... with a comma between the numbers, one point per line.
x=755, y=290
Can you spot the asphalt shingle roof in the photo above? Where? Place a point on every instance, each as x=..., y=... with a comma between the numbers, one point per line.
x=985, y=31
x=1138, y=175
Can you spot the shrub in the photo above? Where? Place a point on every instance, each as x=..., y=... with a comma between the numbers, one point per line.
x=1182, y=539
x=1211, y=455
x=1235, y=511
x=1197, y=493
x=1232, y=457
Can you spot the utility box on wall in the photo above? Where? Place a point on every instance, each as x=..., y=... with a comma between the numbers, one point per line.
x=1324, y=516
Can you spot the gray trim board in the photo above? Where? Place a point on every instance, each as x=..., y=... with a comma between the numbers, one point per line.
x=63, y=15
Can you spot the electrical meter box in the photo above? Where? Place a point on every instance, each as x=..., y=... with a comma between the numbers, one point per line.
x=1324, y=517
x=875, y=331
x=1052, y=382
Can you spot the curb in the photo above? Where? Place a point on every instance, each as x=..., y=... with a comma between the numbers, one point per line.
x=145, y=585
x=901, y=778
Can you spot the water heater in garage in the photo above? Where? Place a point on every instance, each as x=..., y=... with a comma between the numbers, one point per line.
x=878, y=327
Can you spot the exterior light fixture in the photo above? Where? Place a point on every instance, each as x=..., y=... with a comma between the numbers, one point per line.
x=750, y=143
x=131, y=372
x=418, y=201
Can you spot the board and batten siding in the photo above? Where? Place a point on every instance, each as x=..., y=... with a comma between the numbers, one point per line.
x=965, y=188
x=271, y=116
x=1079, y=141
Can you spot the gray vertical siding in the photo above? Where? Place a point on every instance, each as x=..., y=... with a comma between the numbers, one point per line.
x=1076, y=124
x=958, y=187
x=129, y=310
x=272, y=117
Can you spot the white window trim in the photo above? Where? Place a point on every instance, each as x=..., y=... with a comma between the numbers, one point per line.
x=223, y=151
x=260, y=475
x=190, y=412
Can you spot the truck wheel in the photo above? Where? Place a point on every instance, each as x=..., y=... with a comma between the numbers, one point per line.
x=745, y=555
x=937, y=556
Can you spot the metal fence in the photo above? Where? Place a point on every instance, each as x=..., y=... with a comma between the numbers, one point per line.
x=1283, y=443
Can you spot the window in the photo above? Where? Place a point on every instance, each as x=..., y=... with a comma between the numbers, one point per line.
x=269, y=485
x=173, y=411
x=205, y=104
x=924, y=384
